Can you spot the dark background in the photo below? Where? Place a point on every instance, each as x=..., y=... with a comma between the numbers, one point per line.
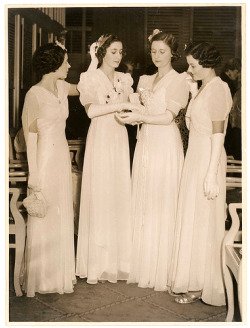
x=83, y=25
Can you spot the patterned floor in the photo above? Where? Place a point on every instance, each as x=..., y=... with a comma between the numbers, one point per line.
x=106, y=302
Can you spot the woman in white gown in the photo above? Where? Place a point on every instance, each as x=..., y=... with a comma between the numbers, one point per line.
x=157, y=166
x=197, y=263
x=49, y=260
x=104, y=235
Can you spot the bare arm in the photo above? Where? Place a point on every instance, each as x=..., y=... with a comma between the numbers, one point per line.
x=73, y=90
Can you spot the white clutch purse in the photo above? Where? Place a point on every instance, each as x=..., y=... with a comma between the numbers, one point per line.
x=36, y=205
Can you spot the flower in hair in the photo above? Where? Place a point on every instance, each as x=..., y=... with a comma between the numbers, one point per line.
x=59, y=44
x=156, y=31
x=102, y=39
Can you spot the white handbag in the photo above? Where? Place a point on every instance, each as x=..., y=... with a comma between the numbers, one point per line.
x=36, y=205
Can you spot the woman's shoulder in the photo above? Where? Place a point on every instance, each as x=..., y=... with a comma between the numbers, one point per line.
x=179, y=80
x=88, y=79
x=125, y=77
x=145, y=78
x=33, y=92
x=180, y=76
x=90, y=75
x=221, y=82
x=219, y=92
x=219, y=86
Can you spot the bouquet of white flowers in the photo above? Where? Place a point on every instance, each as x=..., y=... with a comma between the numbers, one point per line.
x=145, y=96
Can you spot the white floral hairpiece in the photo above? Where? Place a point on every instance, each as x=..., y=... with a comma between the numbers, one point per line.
x=59, y=44
x=102, y=39
x=156, y=31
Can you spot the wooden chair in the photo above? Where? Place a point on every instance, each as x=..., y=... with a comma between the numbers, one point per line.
x=234, y=167
x=17, y=227
x=76, y=148
x=232, y=261
x=18, y=172
x=76, y=187
x=234, y=189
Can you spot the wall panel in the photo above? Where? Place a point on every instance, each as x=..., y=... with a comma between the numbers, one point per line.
x=218, y=25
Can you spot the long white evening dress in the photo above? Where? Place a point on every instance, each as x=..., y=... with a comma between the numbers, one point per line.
x=201, y=222
x=50, y=259
x=157, y=167
x=104, y=235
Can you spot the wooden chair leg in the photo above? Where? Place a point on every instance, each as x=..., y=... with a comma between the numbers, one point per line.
x=230, y=293
x=20, y=245
x=20, y=234
x=240, y=288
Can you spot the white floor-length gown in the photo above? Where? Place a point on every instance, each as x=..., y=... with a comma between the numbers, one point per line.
x=50, y=258
x=197, y=263
x=157, y=168
x=104, y=235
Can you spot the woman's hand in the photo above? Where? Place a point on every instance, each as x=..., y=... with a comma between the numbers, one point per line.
x=131, y=107
x=131, y=118
x=211, y=187
x=92, y=50
x=94, y=60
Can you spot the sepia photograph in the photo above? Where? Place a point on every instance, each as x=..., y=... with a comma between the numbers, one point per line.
x=126, y=158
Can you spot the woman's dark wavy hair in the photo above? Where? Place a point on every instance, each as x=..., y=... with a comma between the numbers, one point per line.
x=102, y=50
x=169, y=40
x=206, y=54
x=47, y=58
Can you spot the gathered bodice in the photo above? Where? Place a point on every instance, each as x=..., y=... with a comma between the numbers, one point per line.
x=213, y=103
x=96, y=88
x=171, y=92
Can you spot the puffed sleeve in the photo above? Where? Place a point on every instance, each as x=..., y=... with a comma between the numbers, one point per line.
x=177, y=95
x=219, y=102
x=29, y=116
x=86, y=89
x=128, y=82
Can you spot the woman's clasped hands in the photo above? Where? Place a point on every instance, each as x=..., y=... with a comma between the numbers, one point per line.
x=131, y=114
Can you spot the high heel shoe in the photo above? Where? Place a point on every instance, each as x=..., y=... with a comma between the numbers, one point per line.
x=189, y=297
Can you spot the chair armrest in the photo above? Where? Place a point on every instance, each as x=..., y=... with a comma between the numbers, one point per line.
x=232, y=232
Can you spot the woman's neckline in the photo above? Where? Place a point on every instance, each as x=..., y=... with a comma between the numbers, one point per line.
x=110, y=80
x=49, y=91
x=161, y=78
x=205, y=86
